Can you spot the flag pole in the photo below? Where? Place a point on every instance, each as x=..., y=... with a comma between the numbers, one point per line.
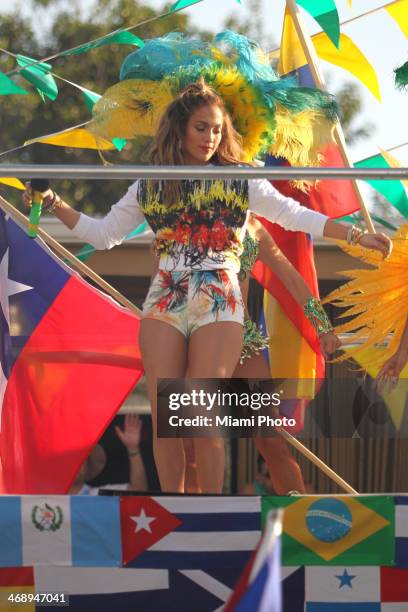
x=318, y=78
x=343, y=484
x=76, y=263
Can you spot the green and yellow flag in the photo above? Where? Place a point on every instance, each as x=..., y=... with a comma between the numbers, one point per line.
x=336, y=530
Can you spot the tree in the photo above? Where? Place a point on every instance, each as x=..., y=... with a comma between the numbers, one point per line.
x=350, y=106
x=252, y=25
x=26, y=117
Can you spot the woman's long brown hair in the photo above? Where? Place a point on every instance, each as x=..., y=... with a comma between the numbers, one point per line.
x=167, y=149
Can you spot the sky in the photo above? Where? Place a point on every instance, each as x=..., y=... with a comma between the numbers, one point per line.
x=379, y=38
x=377, y=35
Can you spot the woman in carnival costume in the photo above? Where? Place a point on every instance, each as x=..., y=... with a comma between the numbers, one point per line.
x=285, y=473
x=193, y=315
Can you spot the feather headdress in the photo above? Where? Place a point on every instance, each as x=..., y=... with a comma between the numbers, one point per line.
x=273, y=115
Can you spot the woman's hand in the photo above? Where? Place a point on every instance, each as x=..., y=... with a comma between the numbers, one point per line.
x=329, y=343
x=389, y=374
x=27, y=195
x=378, y=242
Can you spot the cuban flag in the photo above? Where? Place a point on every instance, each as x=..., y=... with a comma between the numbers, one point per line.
x=189, y=533
x=69, y=357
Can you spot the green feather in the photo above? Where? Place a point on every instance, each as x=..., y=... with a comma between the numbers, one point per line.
x=401, y=76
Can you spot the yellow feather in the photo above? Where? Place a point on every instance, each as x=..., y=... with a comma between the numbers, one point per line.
x=130, y=108
x=377, y=298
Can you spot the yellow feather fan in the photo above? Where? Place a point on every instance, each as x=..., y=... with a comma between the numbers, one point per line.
x=377, y=299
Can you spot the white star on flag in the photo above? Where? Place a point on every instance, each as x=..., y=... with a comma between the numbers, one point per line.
x=8, y=287
x=143, y=521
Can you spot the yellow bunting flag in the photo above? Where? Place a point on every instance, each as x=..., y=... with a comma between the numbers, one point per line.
x=347, y=56
x=399, y=12
x=76, y=138
x=12, y=182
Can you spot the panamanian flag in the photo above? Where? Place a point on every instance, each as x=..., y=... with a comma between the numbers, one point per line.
x=69, y=357
x=356, y=589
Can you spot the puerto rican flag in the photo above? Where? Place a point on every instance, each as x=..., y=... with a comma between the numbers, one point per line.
x=69, y=357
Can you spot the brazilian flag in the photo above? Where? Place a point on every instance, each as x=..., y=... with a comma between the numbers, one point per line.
x=333, y=530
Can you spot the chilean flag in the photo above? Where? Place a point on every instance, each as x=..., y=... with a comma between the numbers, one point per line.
x=69, y=357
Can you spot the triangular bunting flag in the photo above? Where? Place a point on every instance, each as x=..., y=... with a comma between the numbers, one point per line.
x=37, y=75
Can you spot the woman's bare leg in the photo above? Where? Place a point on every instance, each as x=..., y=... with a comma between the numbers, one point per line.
x=164, y=353
x=284, y=471
x=191, y=481
x=214, y=350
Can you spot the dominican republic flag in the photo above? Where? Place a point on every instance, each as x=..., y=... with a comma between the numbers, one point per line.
x=259, y=588
x=69, y=357
x=189, y=532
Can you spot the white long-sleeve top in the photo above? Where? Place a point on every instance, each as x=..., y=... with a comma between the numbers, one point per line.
x=205, y=231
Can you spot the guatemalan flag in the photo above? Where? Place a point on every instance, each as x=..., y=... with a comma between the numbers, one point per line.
x=69, y=357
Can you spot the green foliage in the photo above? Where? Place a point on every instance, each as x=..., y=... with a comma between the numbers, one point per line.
x=253, y=25
x=350, y=105
x=26, y=117
x=96, y=70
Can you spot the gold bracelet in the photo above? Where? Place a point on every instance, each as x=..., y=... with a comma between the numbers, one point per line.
x=354, y=235
x=53, y=203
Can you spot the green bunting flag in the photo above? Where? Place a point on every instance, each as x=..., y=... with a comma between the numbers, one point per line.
x=340, y=530
x=393, y=191
x=119, y=38
x=182, y=4
x=119, y=143
x=326, y=15
x=37, y=76
x=90, y=97
x=7, y=86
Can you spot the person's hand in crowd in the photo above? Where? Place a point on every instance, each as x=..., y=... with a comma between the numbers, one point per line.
x=130, y=435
